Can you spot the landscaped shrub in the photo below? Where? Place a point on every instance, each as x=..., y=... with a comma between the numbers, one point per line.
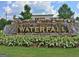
x=40, y=41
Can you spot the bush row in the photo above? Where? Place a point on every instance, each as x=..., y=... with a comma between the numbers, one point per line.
x=40, y=41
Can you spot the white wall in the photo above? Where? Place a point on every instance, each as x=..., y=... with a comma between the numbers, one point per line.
x=41, y=16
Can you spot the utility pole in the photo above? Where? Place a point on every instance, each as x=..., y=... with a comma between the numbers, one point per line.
x=6, y=15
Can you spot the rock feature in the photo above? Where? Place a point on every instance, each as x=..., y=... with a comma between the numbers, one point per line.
x=77, y=27
x=9, y=30
x=42, y=26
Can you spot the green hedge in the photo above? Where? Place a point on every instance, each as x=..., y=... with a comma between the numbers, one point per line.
x=40, y=41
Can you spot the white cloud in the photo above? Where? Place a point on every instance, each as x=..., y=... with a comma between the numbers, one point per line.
x=62, y=2
x=14, y=5
x=9, y=2
x=19, y=4
x=42, y=5
x=9, y=17
x=8, y=10
x=46, y=6
x=39, y=5
x=76, y=15
x=77, y=6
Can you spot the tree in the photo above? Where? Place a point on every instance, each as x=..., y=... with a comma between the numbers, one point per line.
x=77, y=18
x=14, y=17
x=65, y=12
x=4, y=22
x=9, y=22
x=26, y=13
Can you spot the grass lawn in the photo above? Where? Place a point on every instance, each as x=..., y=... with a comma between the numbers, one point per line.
x=38, y=52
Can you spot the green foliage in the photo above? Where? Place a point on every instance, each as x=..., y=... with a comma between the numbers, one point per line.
x=40, y=41
x=65, y=12
x=26, y=13
x=77, y=18
x=4, y=22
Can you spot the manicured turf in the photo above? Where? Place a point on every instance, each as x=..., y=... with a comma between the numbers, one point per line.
x=38, y=52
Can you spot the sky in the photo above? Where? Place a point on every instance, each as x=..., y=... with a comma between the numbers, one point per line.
x=37, y=7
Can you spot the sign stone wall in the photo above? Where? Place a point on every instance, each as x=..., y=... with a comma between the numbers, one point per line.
x=52, y=27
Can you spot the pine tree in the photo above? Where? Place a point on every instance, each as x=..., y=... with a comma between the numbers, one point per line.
x=26, y=13
x=65, y=12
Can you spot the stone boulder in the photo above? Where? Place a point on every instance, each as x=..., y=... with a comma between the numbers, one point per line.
x=10, y=29
x=77, y=26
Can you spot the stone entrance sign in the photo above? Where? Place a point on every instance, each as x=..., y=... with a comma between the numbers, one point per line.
x=41, y=27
